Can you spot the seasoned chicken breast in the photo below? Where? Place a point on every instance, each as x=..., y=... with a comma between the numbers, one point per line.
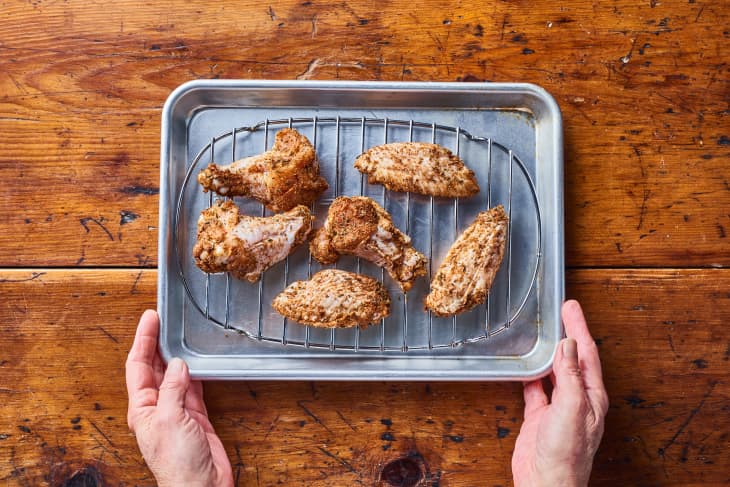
x=245, y=245
x=281, y=178
x=359, y=226
x=418, y=167
x=466, y=274
x=334, y=299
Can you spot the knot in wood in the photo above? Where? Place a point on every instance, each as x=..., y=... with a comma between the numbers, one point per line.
x=402, y=472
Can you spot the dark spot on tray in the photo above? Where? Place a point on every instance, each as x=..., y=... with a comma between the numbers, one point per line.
x=387, y=437
x=76, y=427
x=527, y=51
x=723, y=140
x=75, y=420
x=502, y=432
x=97, y=406
x=519, y=38
x=363, y=21
x=155, y=47
x=479, y=30
x=23, y=428
x=455, y=438
x=403, y=472
x=386, y=422
x=446, y=22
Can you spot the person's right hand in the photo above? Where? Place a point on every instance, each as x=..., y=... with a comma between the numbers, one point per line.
x=558, y=439
x=168, y=416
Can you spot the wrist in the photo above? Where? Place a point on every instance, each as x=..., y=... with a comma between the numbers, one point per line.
x=185, y=482
x=552, y=476
x=177, y=481
x=562, y=477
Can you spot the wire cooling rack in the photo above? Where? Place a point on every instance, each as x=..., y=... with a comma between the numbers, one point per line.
x=433, y=224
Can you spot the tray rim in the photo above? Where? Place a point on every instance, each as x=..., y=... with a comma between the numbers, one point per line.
x=296, y=373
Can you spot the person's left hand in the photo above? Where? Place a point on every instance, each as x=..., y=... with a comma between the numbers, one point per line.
x=168, y=416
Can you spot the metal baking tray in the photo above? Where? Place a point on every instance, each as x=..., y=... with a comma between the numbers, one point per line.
x=509, y=134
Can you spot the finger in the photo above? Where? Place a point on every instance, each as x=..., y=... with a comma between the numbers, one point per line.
x=174, y=388
x=535, y=397
x=158, y=367
x=569, y=392
x=140, y=379
x=194, y=399
x=590, y=363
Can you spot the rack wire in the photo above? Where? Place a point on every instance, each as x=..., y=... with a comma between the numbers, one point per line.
x=414, y=338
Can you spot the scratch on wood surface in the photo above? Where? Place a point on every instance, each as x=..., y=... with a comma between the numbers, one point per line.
x=102, y=434
x=642, y=211
x=136, y=281
x=342, y=461
x=111, y=337
x=312, y=415
x=311, y=68
x=344, y=420
x=33, y=277
x=271, y=427
x=84, y=223
x=317, y=63
x=689, y=419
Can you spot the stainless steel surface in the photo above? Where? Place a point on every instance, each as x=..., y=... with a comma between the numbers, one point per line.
x=509, y=134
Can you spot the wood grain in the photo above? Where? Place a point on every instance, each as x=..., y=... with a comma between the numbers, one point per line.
x=643, y=88
x=66, y=334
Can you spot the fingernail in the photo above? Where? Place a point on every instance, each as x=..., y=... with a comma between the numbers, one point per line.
x=570, y=348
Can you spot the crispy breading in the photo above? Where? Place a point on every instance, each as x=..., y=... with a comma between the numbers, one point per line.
x=245, y=245
x=281, y=178
x=466, y=274
x=334, y=299
x=418, y=167
x=359, y=226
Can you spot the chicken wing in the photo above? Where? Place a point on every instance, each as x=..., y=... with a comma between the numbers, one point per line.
x=281, y=178
x=466, y=274
x=245, y=245
x=418, y=167
x=334, y=299
x=359, y=226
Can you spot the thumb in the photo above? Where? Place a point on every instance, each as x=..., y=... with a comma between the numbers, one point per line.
x=569, y=387
x=174, y=386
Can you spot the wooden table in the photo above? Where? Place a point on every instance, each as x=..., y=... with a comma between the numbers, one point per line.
x=644, y=89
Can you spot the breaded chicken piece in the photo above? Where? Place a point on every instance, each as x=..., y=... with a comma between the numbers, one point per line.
x=245, y=245
x=466, y=274
x=334, y=299
x=281, y=178
x=418, y=167
x=359, y=226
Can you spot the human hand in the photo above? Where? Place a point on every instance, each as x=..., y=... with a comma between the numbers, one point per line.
x=558, y=439
x=168, y=416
